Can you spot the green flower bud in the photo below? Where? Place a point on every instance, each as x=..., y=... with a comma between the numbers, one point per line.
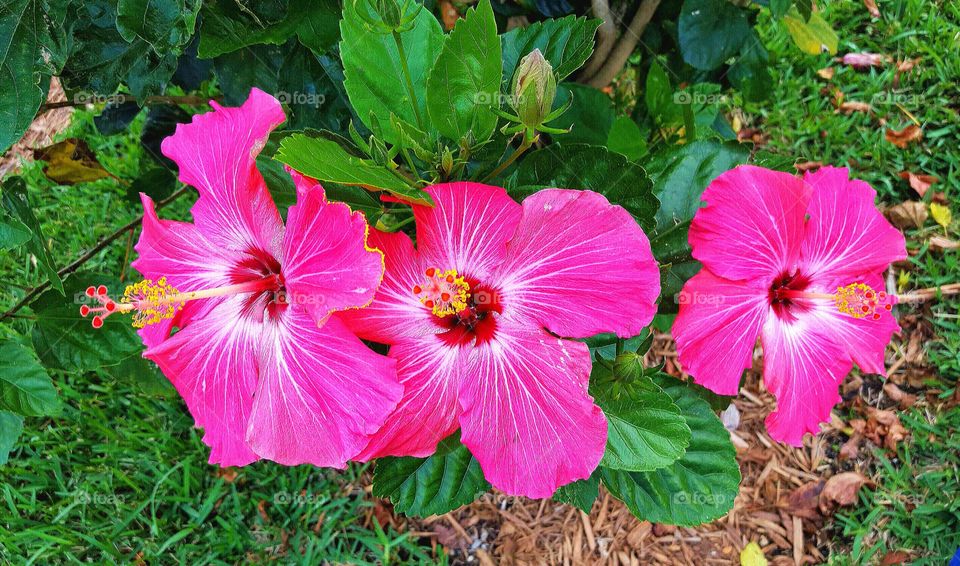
x=534, y=88
x=446, y=161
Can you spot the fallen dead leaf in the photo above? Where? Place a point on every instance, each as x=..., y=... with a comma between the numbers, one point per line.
x=941, y=214
x=804, y=166
x=804, y=500
x=941, y=243
x=871, y=6
x=840, y=491
x=851, y=107
x=907, y=65
x=851, y=448
x=894, y=558
x=908, y=214
x=827, y=73
x=884, y=428
x=918, y=181
x=903, y=138
x=70, y=161
x=752, y=555
x=864, y=60
x=229, y=475
x=904, y=399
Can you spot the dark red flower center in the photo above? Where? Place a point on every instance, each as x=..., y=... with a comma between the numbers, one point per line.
x=784, y=294
x=260, y=265
x=462, y=306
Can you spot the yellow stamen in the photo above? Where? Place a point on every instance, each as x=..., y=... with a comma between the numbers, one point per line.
x=443, y=292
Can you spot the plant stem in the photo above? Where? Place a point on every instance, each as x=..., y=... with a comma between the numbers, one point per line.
x=89, y=255
x=929, y=293
x=513, y=157
x=122, y=98
x=407, y=77
x=689, y=123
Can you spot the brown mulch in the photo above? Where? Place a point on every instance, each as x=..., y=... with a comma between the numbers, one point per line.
x=785, y=503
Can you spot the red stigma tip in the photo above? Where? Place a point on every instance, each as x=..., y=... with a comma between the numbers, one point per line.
x=429, y=304
x=888, y=307
x=110, y=306
x=91, y=291
x=102, y=290
x=97, y=321
x=84, y=310
x=445, y=297
x=431, y=271
x=876, y=316
x=865, y=308
x=449, y=279
x=417, y=290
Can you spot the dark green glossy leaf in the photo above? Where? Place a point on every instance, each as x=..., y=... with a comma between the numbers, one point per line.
x=145, y=374
x=465, y=81
x=156, y=182
x=375, y=79
x=565, y=42
x=697, y=488
x=711, y=31
x=589, y=118
x=229, y=25
x=626, y=138
x=11, y=426
x=749, y=72
x=16, y=203
x=13, y=233
x=660, y=97
x=325, y=160
x=445, y=481
x=581, y=493
x=589, y=167
x=645, y=430
x=116, y=117
x=158, y=22
x=22, y=70
x=25, y=387
x=65, y=340
x=279, y=183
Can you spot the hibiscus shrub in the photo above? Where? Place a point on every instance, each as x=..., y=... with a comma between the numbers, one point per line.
x=478, y=171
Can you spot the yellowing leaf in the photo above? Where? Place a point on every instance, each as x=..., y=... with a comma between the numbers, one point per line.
x=752, y=555
x=813, y=36
x=941, y=214
x=70, y=161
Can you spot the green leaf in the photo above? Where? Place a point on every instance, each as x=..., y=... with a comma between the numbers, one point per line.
x=626, y=138
x=565, y=42
x=11, y=426
x=25, y=387
x=22, y=70
x=156, y=182
x=697, y=488
x=17, y=204
x=445, y=481
x=589, y=118
x=645, y=430
x=589, y=167
x=145, y=374
x=229, y=25
x=660, y=97
x=749, y=73
x=13, y=233
x=711, y=31
x=158, y=22
x=465, y=81
x=279, y=183
x=65, y=340
x=813, y=36
x=374, y=76
x=779, y=7
x=680, y=174
x=325, y=160
x=581, y=493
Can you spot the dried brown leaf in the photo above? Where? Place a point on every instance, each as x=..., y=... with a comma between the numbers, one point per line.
x=871, y=6
x=841, y=491
x=918, y=181
x=827, y=73
x=903, y=138
x=851, y=107
x=909, y=214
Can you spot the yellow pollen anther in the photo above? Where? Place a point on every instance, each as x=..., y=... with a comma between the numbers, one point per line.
x=443, y=292
x=859, y=300
x=150, y=301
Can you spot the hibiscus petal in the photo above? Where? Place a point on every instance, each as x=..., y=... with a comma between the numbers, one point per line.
x=803, y=366
x=429, y=371
x=468, y=229
x=395, y=312
x=216, y=154
x=717, y=328
x=322, y=392
x=580, y=266
x=327, y=265
x=527, y=416
x=212, y=364
x=846, y=234
x=752, y=225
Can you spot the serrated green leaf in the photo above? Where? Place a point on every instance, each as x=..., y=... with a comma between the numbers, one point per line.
x=16, y=203
x=13, y=233
x=626, y=138
x=11, y=426
x=325, y=160
x=645, y=430
x=711, y=31
x=589, y=118
x=25, y=387
x=65, y=340
x=158, y=22
x=813, y=35
x=229, y=25
x=581, y=493
x=779, y=7
x=465, y=81
x=699, y=487
x=445, y=481
x=22, y=70
x=374, y=77
x=565, y=42
x=589, y=167
x=660, y=96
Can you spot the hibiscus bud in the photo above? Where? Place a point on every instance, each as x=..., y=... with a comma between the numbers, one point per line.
x=534, y=88
x=389, y=12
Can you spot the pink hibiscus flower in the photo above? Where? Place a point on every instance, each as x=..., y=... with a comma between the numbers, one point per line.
x=799, y=263
x=473, y=316
x=264, y=368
